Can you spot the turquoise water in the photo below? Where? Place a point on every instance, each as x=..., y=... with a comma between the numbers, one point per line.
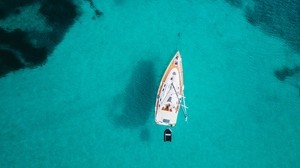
x=92, y=103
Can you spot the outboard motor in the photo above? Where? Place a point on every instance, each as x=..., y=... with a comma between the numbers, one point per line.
x=168, y=135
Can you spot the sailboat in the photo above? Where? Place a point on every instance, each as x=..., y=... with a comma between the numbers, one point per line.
x=170, y=96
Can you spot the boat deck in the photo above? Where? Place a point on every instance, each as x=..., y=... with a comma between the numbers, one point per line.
x=169, y=93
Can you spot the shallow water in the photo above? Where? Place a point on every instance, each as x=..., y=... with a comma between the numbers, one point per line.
x=92, y=103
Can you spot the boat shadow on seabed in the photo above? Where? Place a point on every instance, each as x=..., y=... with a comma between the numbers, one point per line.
x=135, y=104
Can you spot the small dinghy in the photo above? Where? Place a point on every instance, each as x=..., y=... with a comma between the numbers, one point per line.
x=168, y=135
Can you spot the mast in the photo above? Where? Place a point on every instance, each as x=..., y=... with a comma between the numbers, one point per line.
x=181, y=99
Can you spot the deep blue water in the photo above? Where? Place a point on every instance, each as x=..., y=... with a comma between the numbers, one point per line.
x=79, y=80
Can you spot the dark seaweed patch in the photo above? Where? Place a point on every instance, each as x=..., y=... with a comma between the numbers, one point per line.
x=31, y=55
x=17, y=49
x=60, y=13
x=251, y=16
x=98, y=13
x=235, y=3
x=278, y=18
x=9, y=62
x=285, y=72
x=8, y=7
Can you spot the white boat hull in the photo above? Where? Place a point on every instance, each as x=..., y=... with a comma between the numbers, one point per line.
x=170, y=93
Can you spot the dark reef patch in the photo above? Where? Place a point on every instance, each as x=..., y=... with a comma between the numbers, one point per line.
x=278, y=18
x=235, y=3
x=8, y=7
x=285, y=72
x=21, y=47
x=98, y=13
x=292, y=73
x=31, y=55
x=61, y=13
x=9, y=62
